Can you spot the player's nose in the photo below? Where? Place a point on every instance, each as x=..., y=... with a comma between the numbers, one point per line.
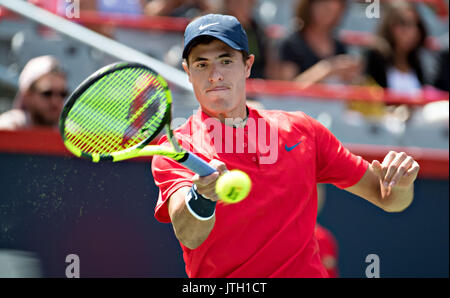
x=215, y=74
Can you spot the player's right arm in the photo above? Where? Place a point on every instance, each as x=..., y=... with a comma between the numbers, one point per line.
x=189, y=230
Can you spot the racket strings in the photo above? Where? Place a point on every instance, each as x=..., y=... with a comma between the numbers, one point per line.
x=149, y=111
x=118, y=111
x=93, y=115
x=100, y=107
x=110, y=123
x=120, y=126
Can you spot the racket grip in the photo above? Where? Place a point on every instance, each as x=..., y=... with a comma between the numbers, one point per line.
x=197, y=165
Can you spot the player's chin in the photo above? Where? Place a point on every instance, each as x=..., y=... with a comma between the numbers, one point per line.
x=216, y=99
x=221, y=105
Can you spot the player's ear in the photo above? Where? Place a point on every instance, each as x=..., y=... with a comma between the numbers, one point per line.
x=186, y=69
x=248, y=65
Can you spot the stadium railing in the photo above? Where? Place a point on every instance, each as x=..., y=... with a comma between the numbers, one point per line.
x=434, y=162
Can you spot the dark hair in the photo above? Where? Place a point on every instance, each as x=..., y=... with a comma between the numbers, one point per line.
x=385, y=44
x=207, y=39
x=303, y=12
x=392, y=15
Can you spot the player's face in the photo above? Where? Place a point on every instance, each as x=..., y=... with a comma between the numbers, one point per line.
x=218, y=73
x=46, y=99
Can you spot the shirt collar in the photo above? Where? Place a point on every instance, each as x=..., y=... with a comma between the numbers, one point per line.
x=202, y=117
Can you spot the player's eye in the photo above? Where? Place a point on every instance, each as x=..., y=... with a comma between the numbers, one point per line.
x=200, y=65
x=227, y=61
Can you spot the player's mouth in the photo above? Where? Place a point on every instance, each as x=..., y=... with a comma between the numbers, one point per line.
x=217, y=89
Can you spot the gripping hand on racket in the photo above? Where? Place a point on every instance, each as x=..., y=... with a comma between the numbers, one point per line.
x=206, y=186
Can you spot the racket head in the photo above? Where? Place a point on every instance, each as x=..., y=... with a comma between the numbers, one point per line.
x=120, y=108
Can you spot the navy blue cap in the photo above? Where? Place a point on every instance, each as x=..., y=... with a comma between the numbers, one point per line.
x=223, y=27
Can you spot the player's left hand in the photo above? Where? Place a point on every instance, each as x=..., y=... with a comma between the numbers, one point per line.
x=397, y=170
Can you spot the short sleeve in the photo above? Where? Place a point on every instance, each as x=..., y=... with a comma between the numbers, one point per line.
x=335, y=163
x=295, y=49
x=292, y=49
x=169, y=176
x=287, y=52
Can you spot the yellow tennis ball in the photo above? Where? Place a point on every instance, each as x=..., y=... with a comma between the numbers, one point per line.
x=233, y=186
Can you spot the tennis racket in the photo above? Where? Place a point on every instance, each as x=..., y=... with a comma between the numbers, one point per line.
x=117, y=111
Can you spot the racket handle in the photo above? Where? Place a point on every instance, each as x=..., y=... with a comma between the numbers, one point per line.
x=197, y=165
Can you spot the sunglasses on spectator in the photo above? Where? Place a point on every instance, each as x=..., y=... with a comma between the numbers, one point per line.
x=406, y=23
x=51, y=93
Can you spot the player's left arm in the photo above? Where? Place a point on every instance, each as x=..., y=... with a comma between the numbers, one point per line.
x=390, y=184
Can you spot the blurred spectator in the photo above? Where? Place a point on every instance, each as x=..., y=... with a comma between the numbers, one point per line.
x=63, y=7
x=59, y=7
x=39, y=101
x=178, y=8
x=54, y=6
x=328, y=249
x=129, y=8
x=257, y=41
x=327, y=242
x=393, y=61
x=442, y=77
x=312, y=54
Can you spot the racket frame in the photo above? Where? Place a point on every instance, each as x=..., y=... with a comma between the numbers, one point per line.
x=127, y=153
x=184, y=157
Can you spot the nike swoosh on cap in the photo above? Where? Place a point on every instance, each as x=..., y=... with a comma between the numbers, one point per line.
x=202, y=27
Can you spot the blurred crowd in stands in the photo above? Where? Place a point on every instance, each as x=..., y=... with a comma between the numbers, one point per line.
x=40, y=98
x=308, y=53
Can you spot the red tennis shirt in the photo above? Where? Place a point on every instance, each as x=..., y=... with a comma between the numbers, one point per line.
x=271, y=232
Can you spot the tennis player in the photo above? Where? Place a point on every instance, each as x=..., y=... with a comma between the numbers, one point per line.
x=271, y=232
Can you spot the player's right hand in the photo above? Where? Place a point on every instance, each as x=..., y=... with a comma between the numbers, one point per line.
x=206, y=186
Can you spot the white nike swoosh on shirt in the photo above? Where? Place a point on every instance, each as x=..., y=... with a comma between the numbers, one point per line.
x=206, y=26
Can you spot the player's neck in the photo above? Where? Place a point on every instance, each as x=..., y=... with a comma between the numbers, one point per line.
x=235, y=118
